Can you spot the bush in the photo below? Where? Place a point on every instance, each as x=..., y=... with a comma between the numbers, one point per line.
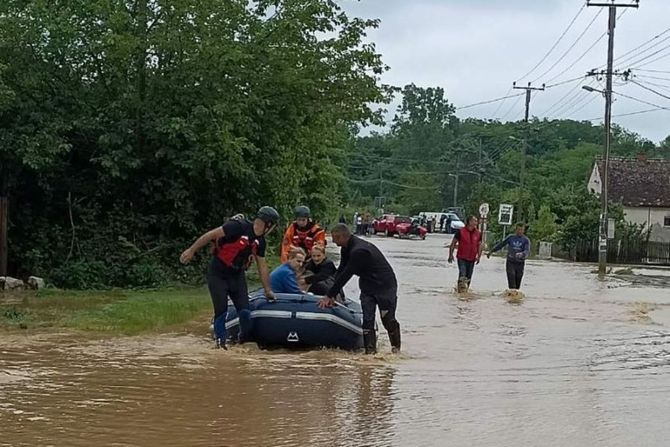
x=81, y=274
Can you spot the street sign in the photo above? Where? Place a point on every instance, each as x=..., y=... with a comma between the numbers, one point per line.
x=484, y=210
x=505, y=213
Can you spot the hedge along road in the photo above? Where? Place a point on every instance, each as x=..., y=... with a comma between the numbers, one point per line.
x=578, y=362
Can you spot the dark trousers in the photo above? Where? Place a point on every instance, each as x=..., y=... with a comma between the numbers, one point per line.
x=387, y=302
x=223, y=284
x=465, y=268
x=514, y=274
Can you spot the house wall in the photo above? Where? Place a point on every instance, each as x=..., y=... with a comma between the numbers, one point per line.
x=653, y=218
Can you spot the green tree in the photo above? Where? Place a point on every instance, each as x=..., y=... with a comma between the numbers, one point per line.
x=544, y=227
x=131, y=126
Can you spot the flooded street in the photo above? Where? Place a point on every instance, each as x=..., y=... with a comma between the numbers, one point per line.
x=578, y=362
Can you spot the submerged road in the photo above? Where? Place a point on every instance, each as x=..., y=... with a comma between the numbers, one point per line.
x=578, y=362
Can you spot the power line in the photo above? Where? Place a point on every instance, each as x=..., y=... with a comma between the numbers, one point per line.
x=660, y=78
x=562, y=99
x=651, y=55
x=642, y=44
x=661, y=86
x=567, y=81
x=641, y=101
x=588, y=50
x=655, y=109
x=623, y=58
x=489, y=101
x=572, y=22
x=591, y=99
x=571, y=47
x=649, y=70
x=495, y=112
x=513, y=106
x=507, y=96
x=578, y=97
x=650, y=89
x=576, y=61
x=663, y=56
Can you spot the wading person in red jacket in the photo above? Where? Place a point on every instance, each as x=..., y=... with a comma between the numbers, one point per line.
x=469, y=242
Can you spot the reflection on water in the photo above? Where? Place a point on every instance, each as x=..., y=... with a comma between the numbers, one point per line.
x=576, y=362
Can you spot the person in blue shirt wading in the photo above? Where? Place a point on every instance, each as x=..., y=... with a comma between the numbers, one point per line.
x=518, y=248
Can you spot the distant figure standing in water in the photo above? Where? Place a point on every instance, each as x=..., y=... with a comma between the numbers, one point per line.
x=518, y=249
x=469, y=242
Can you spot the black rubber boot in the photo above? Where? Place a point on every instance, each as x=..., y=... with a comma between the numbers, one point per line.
x=394, y=338
x=370, y=341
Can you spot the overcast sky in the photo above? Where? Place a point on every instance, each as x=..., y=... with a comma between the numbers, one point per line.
x=474, y=49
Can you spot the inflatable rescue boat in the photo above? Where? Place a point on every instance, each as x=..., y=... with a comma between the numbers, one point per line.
x=295, y=321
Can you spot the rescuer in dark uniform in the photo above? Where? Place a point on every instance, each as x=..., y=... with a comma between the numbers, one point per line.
x=237, y=244
x=377, y=281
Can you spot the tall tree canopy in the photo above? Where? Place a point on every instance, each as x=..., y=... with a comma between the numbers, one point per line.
x=129, y=125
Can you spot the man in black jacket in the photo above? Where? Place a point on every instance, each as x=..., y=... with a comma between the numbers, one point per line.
x=377, y=281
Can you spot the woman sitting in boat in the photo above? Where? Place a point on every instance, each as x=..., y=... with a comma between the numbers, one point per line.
x=319, y=271
x=285, y=278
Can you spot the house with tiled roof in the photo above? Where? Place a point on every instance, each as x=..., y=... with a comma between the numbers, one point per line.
x=642, y=186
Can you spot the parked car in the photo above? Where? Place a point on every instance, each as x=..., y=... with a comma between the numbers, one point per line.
x=453, y=223
x=387, y=224
x=381, y=224
x=412, y=228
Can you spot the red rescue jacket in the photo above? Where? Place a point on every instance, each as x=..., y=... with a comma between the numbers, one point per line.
x=238, y=254
x=468, y=244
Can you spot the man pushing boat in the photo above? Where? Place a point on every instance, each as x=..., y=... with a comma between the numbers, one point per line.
x=377, y=281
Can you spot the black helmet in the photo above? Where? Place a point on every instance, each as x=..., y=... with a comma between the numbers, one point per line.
x=301, y=211
x=268, y=215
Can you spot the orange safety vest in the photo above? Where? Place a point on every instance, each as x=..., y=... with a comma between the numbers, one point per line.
x=304, y=238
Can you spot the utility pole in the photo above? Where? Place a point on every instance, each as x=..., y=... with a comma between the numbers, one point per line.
x=381, y=180
x=602, y=243
x=479, y=165
x=458, y=162
x=529, y=89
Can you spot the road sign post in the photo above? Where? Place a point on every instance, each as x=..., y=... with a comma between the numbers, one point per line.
x=483, y=214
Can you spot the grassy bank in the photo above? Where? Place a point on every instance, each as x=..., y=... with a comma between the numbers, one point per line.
x=115, y=312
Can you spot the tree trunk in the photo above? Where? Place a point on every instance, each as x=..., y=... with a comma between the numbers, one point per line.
x=4, y=220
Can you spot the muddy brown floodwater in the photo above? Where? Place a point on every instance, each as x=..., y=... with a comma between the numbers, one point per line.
x=577, y=363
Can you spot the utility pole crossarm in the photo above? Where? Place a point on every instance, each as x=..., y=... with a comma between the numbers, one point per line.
x=514, y=86
x=616, y=5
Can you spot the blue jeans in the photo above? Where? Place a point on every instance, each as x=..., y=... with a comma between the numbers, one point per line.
x=465, y=268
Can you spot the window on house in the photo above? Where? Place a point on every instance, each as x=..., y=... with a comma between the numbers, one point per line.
x=666, y=221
